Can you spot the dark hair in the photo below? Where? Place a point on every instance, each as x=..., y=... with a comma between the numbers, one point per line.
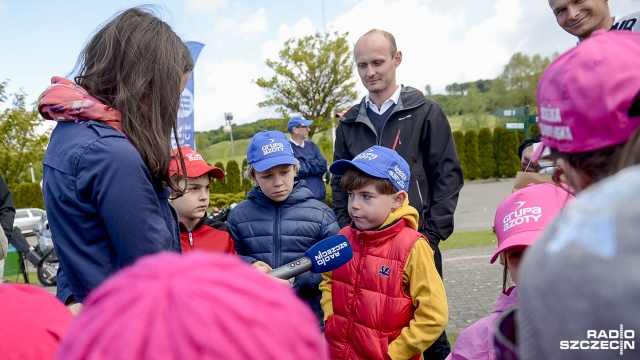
x=596, y=164
x=134, y=64
x=354, y=179
x=393, y=48
x=631, y=151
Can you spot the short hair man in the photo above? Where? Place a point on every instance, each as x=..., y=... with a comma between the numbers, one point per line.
x=401, y=118
x=313, y=165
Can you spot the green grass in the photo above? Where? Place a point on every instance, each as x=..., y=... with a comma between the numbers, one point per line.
x=18, y=279
x=469, y=239
x=452, y=337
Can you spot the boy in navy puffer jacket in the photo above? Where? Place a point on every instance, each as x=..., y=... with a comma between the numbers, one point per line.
x=280, y=219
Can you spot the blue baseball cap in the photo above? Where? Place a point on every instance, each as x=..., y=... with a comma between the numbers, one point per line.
x=269, y=148
x=298, y=120
x=380, y=162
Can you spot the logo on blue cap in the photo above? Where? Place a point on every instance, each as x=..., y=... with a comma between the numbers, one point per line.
x=379, y=162
x=269, y=148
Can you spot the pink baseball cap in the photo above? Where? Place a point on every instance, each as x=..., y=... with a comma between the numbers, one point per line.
x=199, y=305
x=33, y=322
x=194, y=163
x=584, y=96
x=523, y=215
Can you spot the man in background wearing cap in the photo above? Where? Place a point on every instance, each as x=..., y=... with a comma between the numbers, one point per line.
x=191, y=206
x=312, y=164
x=401, y=118
x=403, y=301
x=7, y=215
x=581, y=19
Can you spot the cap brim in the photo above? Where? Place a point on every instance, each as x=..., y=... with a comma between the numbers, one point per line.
x=541, y=150
x=340, y=167
x=524, y=238
x=266, y=164
x=198, y=171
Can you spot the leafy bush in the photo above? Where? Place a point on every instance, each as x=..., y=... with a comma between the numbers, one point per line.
x=27, y=195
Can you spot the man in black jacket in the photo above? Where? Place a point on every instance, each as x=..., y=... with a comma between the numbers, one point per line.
x=7, y=215
x=401, y=118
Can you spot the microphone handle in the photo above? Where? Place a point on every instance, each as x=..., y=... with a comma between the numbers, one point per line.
x=292, y=269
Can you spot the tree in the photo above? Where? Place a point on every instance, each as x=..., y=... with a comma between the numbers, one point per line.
x=234, y=184
x=521, y=76
x=474, y=109
x=472, y=159
x=247, y=184
x=427, y=90
x=219, y=186
x=314, y=77
x=458, y=138
x=485, y=149
x=23, y=145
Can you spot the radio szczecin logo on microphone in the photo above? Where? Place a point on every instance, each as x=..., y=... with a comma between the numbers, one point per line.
x=324, y=257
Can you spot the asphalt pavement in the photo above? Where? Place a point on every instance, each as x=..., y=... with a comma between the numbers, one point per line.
x=472, y=284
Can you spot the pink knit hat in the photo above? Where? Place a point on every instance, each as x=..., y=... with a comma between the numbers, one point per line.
x=194, y=306
x=584, y=96
x=33, y=322
x=523, y=215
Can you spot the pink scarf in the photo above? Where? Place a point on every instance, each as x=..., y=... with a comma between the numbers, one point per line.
x=65, y=100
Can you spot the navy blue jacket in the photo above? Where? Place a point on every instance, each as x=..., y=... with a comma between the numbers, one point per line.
x=104, y=209
x=313, y=167
x=280, y=232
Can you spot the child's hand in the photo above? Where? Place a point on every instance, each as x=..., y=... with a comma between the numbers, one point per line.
x=263, y=267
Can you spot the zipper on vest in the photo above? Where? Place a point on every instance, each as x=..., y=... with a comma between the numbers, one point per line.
x=190, y=239
x=276, y=239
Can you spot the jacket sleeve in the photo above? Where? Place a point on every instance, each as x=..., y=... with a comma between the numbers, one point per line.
x=340, y=198
x=309, y=280
x=313, y=166
x=327, y=300
x=474, y=343
x=238, y=243
x=99, y=179
x=430, y=318
x=444, y=174
x=63, y=292
x=7, y=209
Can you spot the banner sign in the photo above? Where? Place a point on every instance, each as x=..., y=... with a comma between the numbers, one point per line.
x=186, y=131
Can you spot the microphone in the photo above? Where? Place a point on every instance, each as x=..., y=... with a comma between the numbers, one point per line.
x=326, y=255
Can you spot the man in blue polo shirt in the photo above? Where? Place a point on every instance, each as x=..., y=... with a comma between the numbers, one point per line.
x=313, y=165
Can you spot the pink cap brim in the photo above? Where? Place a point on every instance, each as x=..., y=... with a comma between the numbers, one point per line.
x=524, y=238
x=538, y=153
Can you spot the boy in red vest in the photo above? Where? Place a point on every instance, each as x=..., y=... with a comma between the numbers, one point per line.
x=192, y=206
x=388, y=302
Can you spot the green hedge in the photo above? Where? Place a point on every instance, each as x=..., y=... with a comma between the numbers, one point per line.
x=27, y=195
x=485, y=154
x=223, y=200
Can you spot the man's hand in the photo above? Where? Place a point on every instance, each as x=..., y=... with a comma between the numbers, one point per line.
x=264, y=268
x=75, y=308
x=525, y=163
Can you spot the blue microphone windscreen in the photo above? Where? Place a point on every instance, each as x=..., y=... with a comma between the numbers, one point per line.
x=330, y=253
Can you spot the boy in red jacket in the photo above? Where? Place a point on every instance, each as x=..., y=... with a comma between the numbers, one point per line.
x=388, y=302
x=192, y=206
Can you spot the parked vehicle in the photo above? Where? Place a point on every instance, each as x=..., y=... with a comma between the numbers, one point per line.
x=43, y=233
x=27, y=219
x=45, y=261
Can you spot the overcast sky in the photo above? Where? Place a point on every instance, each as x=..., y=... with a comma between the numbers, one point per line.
x=443, y=41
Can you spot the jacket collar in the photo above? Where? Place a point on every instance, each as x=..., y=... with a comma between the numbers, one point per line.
x=409, y=98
